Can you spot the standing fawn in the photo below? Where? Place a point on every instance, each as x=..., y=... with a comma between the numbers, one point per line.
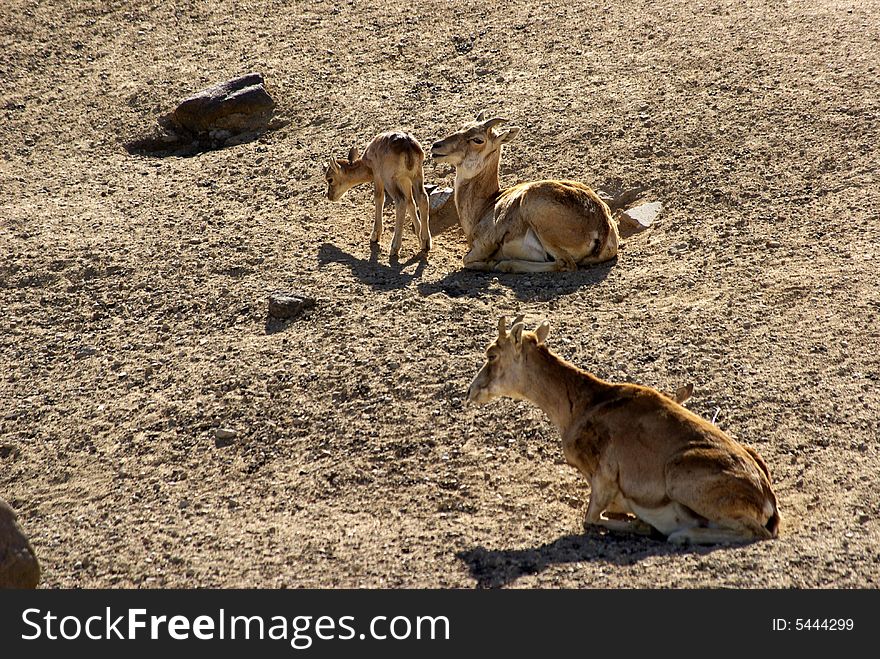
x=538, y=226
x=650, y=463
x=393, y=163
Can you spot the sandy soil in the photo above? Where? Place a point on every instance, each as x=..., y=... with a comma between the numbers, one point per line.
x=135, y=288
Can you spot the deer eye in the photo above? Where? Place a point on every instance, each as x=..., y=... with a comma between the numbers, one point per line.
x=477, y=140
x=492, y=356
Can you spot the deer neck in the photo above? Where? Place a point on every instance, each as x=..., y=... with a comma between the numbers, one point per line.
x=557, y=387
x=361, y=172
x=475, y=196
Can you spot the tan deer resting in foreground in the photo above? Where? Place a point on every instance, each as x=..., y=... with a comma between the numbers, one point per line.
x=539, y=226
x=393, y=163
x=642, y=453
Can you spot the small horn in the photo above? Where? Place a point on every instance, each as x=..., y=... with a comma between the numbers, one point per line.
x=502, y=327
x=491, y=123
x=517, y=320
x=481, y=116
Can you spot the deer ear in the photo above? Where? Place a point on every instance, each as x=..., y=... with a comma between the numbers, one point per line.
x=516, y=332
x=502, y=327
x=542, y=332
x=352, y=155
x=508, y=134
x=683, y=393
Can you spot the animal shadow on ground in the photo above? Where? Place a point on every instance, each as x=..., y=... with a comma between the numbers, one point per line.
x=535, y=287
x=378, y=276
x=498, y=568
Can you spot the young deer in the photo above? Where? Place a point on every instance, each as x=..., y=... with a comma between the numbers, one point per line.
x=539, y=226
x=650, y=462
x=393, y=163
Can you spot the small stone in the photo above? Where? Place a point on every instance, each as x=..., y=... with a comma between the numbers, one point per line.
x=84, y=351
x=9, y=451
x=224, y=437
x=773, y=244
x=288, y=305
x=643, y=215
x=19, y=567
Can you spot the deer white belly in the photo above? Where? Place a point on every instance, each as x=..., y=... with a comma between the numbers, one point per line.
x=666, y=519
x=524, y=248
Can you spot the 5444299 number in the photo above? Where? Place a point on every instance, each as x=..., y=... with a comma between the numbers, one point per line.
x=827, y=624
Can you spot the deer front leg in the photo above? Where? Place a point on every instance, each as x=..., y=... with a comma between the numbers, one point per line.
x=424, y=213
x=379, y=201
x=602, y=496
x=480, y=256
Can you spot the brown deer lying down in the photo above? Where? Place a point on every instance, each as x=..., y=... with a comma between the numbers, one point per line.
x=393, y=162
x=643, y=454
x=539, y=226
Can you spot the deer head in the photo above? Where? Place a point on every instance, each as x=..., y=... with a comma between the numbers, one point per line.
x=475, y=147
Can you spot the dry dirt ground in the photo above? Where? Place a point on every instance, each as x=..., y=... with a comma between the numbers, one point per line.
x=134, y=289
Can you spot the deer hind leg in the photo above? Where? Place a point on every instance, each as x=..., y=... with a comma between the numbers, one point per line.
x=402, y=193
x=730, y=506
x=564, y=262
x=607, y=249
x=421, y=198
x=379, y=201
x=518, y=265
x=400, y=216
x=728, y=531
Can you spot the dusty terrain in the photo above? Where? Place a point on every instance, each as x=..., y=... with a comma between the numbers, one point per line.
x=134, y=289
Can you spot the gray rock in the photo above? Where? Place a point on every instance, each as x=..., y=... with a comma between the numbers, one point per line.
x=285, y=306
x=224, y=437
x=439, y=197
x=638, y=218
x=443, y=211
x=19, y=567
x=617, y=195
x=240, y=105
x=644, y=214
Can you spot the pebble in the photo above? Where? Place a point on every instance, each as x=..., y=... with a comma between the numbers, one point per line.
x=644, y=214
x=288, y=305
x=224, y=437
